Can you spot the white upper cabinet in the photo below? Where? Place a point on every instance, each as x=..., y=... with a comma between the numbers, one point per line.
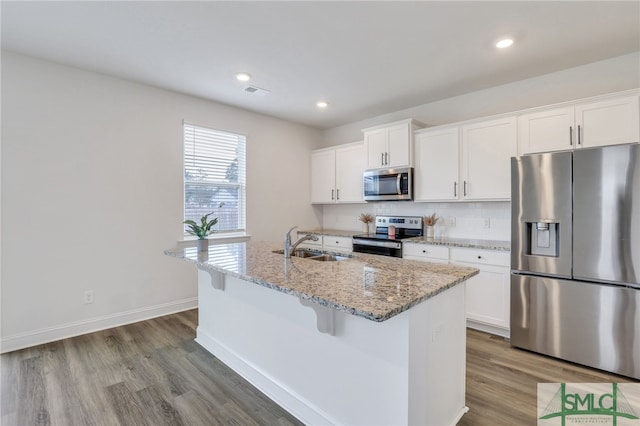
x=323, y=176
x=336, y=174
x=350, y=164
x=606, y=122
x=610, y=122
x=436, y=173
x=469, y=162
x=487, y=148
x=390, y=145
x=546, y=131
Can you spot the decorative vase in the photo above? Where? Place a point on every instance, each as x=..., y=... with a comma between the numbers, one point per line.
x=203, y=245
x=430, y=231
x=365, y=226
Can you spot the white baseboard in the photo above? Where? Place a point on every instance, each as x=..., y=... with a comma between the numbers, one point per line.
x=498, y=331
x=64, y=331
x=297, y=406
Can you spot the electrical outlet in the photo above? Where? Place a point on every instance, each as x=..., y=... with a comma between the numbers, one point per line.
x=88, y=297
x=487, y=223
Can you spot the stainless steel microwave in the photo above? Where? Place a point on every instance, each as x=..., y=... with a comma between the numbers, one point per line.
x=388, y=184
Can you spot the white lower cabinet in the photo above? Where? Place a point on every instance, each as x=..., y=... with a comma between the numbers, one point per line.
x=488, y=293
x=342, y=244
x=328, y=242
x=425, y=252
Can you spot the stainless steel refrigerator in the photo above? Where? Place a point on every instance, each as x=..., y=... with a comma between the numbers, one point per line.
x=575, y=256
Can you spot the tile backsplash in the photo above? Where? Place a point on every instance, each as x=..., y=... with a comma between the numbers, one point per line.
x=486, y=220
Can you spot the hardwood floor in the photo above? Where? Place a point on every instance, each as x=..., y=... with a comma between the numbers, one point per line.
x=502, y=381
x=153, y=373
x=148, y=373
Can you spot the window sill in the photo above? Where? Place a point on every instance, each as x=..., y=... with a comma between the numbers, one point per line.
x=237, y=237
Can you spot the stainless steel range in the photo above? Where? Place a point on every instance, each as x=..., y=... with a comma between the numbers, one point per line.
x=390, y=231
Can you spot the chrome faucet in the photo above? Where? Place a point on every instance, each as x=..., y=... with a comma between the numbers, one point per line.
x=289, y=248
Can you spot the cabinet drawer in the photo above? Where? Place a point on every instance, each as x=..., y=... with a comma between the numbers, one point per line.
x=425, y=250
x=341, y=243
x=482, y=257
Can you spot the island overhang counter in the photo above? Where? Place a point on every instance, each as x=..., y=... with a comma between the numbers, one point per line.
x=368, y=340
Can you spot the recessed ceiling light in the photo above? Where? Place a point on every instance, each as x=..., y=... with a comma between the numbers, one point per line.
x=243, y=76
x=504, y=43
x=322, y=104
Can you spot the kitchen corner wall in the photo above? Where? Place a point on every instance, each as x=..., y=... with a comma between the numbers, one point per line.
x=92, y=195
x=486, y=221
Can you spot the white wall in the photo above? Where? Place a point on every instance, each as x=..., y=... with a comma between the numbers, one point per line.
x=92, y=195
x=609, y=76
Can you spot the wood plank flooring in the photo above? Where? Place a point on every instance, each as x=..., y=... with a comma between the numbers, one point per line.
x=502, y=381
x=153, y=373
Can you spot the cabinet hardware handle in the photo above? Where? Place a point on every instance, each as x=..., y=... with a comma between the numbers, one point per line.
x=386, y=158
x=382, y=158
x=464, y=189
x=579, y=141
x=571, y=135
x=332, y=194
x=455, y=189
x=338, y=194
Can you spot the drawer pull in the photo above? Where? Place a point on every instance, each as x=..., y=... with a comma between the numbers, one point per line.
x=479, y=257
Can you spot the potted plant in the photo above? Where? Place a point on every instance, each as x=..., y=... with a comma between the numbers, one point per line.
x=429, y=222
x=202, y=230
x=366, y=218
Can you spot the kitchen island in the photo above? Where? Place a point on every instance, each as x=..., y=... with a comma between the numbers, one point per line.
x=366, y=340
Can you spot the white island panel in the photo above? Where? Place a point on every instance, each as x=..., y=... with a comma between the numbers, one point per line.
x=408, y=369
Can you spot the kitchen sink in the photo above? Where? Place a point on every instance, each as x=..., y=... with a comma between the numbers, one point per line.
x=315, y=255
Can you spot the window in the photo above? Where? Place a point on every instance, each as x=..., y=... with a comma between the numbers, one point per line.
x=214, y=177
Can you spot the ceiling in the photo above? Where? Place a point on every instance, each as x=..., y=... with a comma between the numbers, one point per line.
x=364, y=58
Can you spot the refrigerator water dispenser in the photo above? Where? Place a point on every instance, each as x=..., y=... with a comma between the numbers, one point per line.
x=543, y=239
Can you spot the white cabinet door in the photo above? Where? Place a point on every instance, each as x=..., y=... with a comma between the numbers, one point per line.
x=342, y=244
x=350, y=164
x=437, y=159
x=609, y=122
x=425, y=252
x=488, y=293
x=399, y=145
x=546, y=131
x=488, y=296
x=323, y=176
x=487, y=148
x=376, y=143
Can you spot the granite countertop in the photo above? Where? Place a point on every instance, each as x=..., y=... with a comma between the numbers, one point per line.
x=373, y=287
x=441, y=241
x=331, y=232
x=463, y=242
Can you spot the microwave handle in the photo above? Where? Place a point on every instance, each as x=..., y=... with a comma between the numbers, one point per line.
x=398, y=183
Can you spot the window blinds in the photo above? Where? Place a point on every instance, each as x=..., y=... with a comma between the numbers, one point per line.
x=214, y=177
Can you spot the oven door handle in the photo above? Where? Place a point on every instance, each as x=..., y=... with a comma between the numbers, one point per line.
x=386, y=244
